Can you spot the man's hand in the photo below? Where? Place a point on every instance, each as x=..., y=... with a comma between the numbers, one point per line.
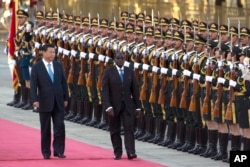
x=65, y=104
x=36, y=104
x=137, y=113
x=110, y=112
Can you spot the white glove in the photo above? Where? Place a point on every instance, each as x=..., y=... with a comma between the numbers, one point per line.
x=100, y=43
x=196, y=76
x=60, y=49
x=164, y=70
x=11, y=61
x=36, y=32
x=101, y=58
x=187, y=73
x=73, y=53
x=16, y=54
x=145, y=67
x=221, y=80
x=186, y=57
x=220, y=63
x=90, y=42
x=232, y=83
x=52, y=34
x=207, y=62
x=246, y=75
x=135, y=51
x=136, y=65
x=209, y=78
x=107, y=59
x=59, y=35
x=241, y=66
x=65, y=38
x=5, y=50
x=174, y=57
x=82, y=40
x=195, y=60
x=174, y=71
x=155, y=69
x=125, y=48
x=83, y=54
x=164, y=55
x=246, y=61
x=37, y=45
x=126, y=63
x=91, y=55
x=28, y=28
x=145, y=52
x=66, y=52
x=44, y=32
x=156, y=54
x=73, y=39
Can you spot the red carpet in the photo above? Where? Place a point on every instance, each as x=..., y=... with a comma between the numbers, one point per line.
x=20, y=147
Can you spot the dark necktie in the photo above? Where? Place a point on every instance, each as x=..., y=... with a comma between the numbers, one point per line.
x=51, y=74
x=121, y=74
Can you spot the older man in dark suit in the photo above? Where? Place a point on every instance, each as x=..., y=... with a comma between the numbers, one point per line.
x=49, y=93
x=121, y=101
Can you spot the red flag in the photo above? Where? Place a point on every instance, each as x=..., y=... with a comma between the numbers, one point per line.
x=11, y=45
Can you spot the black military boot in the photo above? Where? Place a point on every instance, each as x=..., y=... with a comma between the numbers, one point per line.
x=16, y=97
x=151, y=133
x=141, y=127
x=170, y=134
x=147, y=128
x=180, y=137
x=198, y=141
x=88, y=109
x=97, y=115
x=235, y=146
x=29, y=105
x=79, y=112
x=212, y=144
x=246, y=144
x=23, y=100
x=103, y=121
x=223, y=143
x=157, y=129
x=161, y=132
x=190, y=141
x=72, y=110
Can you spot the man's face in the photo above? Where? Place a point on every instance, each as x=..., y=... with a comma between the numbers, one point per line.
x=119, y=60
x=21, y=20
x=49, y=54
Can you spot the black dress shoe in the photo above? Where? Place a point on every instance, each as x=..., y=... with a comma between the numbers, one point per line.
x=46, y=157
x=59, y=155
x=117, y=156
x=132, y=156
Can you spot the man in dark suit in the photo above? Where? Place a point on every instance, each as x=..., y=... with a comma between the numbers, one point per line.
x=121, y=100
x=49, y=93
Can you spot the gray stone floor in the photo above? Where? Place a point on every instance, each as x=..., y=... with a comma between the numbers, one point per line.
x=82, y=133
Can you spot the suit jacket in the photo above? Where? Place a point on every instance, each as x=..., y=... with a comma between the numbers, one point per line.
x=114, y=91
x=45, y=91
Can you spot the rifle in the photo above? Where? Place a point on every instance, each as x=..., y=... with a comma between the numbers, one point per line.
x=216, y=109
x=81, y=78
x=66, y=59
x=173, y=100
x=101, y=69
x=72, y=62
x=192, y=105
x=183, y=102
x=161, y=98
x=152, y=97
x=145, y=80
x=37, y=56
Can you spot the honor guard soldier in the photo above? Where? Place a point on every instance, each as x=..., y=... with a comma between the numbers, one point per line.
x=187, y=92
x=102, y=54
x=213, y=32
x=209, y=99
x=160, y=117
x=230, y=114
x=241, y=87
x=175, y=24
x=93, y=64
x=38, y=35
x=124, y=17
x=223, y=30
x=176, y=87
x=164, y=25
x=82, y=79
x=120, y=37
x=198, y=93
x=23, y=55
x=48, y=28
x=75, y=69
x=67, y=36
x=244, y=38
x=140, y=18
x=186, y=26
x=145, y=87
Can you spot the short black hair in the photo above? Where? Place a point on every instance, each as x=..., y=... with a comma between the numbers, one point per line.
x=119, y=54
x=46, y=46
